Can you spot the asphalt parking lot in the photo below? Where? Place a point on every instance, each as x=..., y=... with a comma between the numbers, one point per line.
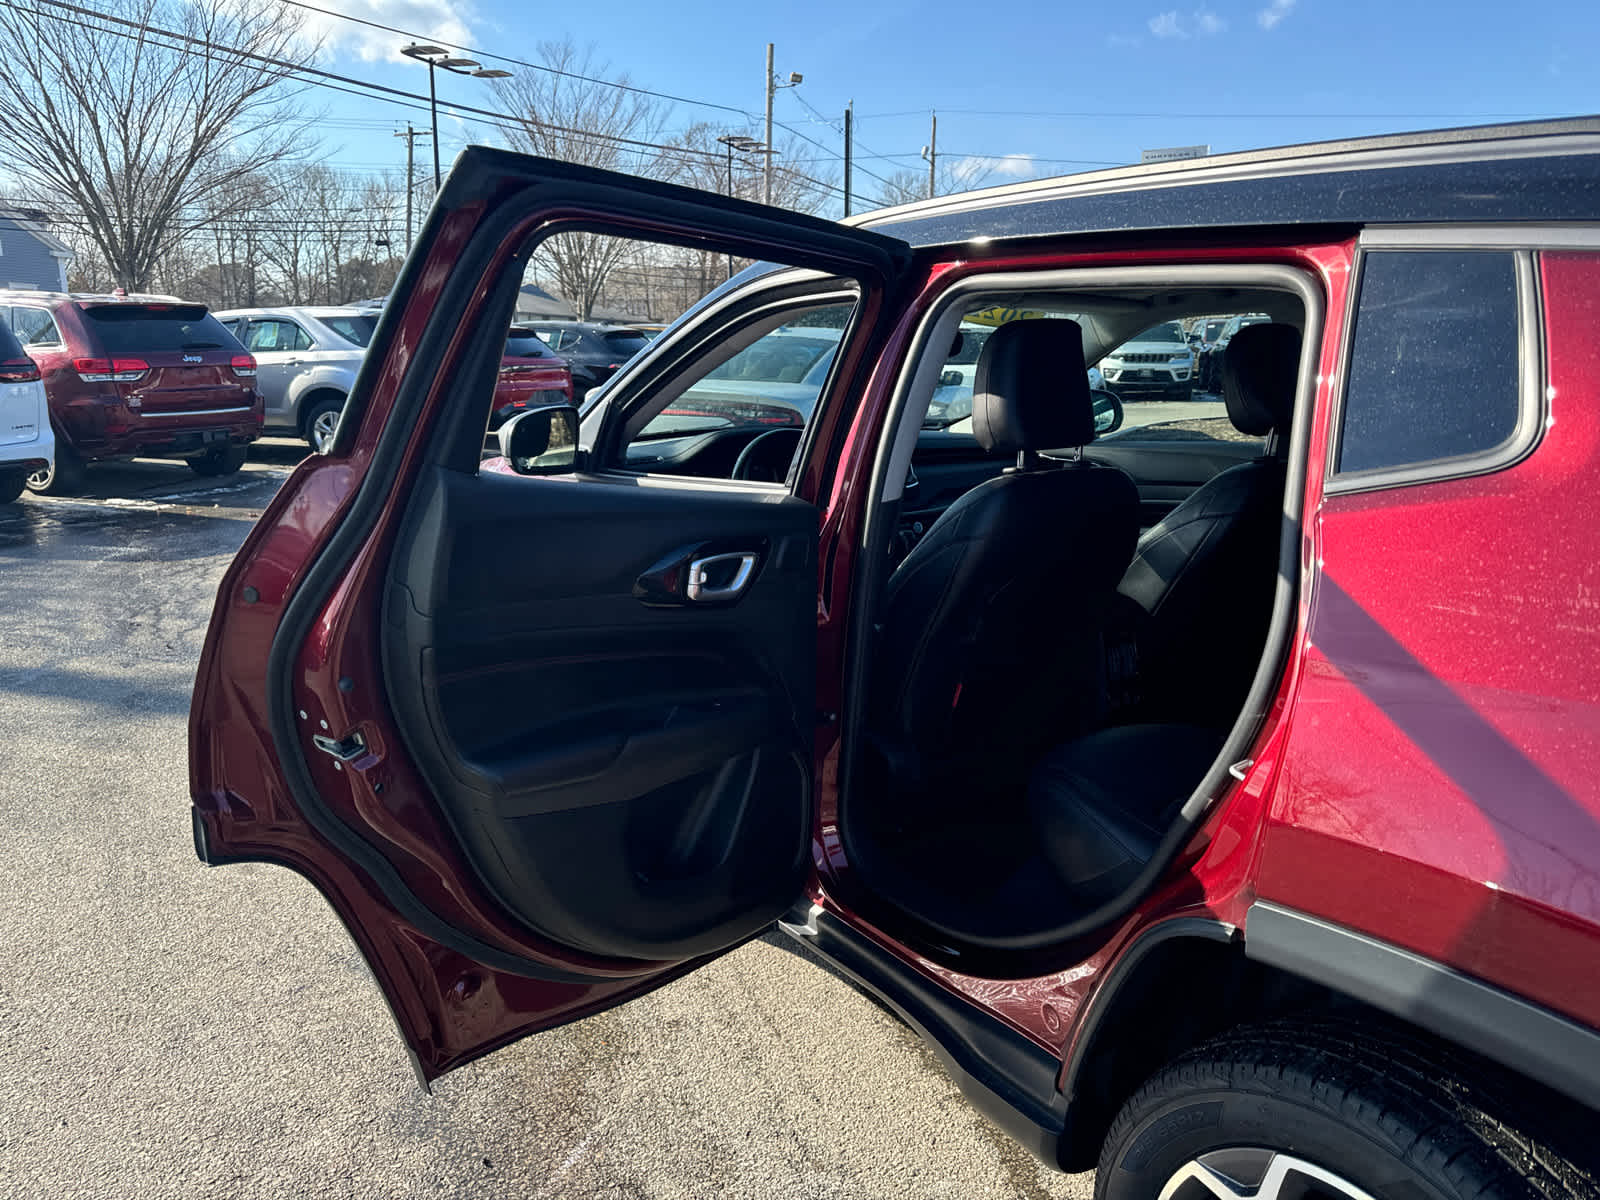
x=168, y=1030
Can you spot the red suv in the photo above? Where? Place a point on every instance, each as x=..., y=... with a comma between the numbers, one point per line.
x=1218, y=798
x=132, y=375
x=530, y=375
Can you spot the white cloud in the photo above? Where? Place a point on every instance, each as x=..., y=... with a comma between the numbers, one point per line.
x=1167, y=25
x=1276, y=11
x=969, y=172
x=441, y=19
x=1208, y=22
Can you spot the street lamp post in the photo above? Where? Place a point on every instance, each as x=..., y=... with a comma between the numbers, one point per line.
x=745, y=145
x=438, y=56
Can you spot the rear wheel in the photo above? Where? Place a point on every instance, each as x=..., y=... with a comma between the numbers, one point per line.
x=225, y=460
x=1331, y=1113
x=62, y=477
x=322, y=419
x=11, y=485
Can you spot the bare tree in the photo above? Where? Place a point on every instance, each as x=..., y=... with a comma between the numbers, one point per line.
x=576, y=120
x=908, y=185
x=142, y=119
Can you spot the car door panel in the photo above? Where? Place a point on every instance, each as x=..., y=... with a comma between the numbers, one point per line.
x=563, y=710
x=532, y=785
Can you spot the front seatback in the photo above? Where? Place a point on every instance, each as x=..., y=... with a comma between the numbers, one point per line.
x=990, y=645
x=1199, y=592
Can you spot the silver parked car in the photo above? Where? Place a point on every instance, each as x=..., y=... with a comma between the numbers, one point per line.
x=306, y=362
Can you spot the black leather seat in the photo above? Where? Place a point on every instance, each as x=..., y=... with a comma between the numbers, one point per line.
x=1198, y=597
x=990, y=644
x=1102, y=804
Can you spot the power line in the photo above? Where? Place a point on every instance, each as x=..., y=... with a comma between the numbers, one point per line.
x=521, y=62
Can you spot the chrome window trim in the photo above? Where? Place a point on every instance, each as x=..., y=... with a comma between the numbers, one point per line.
x=1481, y=237
x=1532, y=410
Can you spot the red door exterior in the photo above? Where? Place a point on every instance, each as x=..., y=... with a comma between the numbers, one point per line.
x=1439, y=790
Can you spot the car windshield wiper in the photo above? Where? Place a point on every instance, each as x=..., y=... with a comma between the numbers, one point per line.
x=201, y=346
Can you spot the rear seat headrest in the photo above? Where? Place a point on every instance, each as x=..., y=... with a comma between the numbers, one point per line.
x=1031, y=390
x=1259, y=369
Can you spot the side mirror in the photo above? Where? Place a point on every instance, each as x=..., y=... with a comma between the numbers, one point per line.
x=1107, y=411
x=542, y=441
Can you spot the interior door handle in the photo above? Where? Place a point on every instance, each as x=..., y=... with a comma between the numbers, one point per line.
x=720, y=577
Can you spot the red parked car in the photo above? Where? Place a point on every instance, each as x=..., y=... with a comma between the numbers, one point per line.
x=530, y=375
x=135, y=375
x=1218, y=798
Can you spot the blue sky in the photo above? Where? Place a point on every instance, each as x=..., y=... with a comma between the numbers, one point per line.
x=1027, y=89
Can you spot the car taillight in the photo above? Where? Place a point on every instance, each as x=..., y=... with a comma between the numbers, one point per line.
x=18, y=370
x=244, y=364
x=110, y=370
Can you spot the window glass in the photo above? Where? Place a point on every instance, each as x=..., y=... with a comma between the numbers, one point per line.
x=277, y=336
x=774, y=382
x=10, y=348
x=35, y=327
x=358, y=330
x=1433, y=367
x=524, y=343
x=146, y=328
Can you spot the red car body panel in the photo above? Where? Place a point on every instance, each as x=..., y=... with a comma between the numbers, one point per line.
x=524, y=382
x=170, y=409
x=1468, y=827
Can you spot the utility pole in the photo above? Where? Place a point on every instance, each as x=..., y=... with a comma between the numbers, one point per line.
x=411, y=135
x=849, y=111
x=772, y=89
x=931, y=153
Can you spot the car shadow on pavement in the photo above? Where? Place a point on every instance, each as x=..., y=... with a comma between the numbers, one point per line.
x=116, y=693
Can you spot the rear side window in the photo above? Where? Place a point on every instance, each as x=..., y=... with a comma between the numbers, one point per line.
x=524, y=344
x=1434, y=364
x=358, y=330
x=277, y=335
x=35, y=327
x=138, y=328
x=625, y=343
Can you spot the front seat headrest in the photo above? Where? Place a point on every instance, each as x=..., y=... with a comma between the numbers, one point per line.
x=1031, y=390
x=1259, y=369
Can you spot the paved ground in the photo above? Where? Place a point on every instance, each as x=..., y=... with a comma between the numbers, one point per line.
x=166, y=1030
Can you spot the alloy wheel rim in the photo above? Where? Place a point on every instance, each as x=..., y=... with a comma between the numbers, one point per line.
x=1252, y=1173
x=39, y=478
x=322, y=428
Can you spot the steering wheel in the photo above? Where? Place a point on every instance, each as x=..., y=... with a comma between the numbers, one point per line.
x=766, y=457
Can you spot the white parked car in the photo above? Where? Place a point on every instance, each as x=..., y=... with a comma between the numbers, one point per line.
x=306, y=362
x=27, y=443
x=1156, y=365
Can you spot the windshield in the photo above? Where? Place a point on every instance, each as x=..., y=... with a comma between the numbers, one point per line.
x=526, y=344
x=352, y=329
x=153, y=328
x=625, y=343
x=1171, y=331
x=778, y=358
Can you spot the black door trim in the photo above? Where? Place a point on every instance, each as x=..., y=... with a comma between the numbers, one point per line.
x=1006, y=1076
x=1511, y=1031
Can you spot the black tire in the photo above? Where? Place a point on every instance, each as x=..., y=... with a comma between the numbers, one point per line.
x=63, y=477
x=1380, y=1111
x=12, y=485
x=321, y=418
x=224, y=461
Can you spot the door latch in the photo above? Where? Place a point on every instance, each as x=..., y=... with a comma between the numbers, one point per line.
x=349, y=747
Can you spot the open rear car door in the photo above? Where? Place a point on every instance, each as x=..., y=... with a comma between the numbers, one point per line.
x=534, y=772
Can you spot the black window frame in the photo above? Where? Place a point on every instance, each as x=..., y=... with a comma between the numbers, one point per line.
x=1531, y=417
